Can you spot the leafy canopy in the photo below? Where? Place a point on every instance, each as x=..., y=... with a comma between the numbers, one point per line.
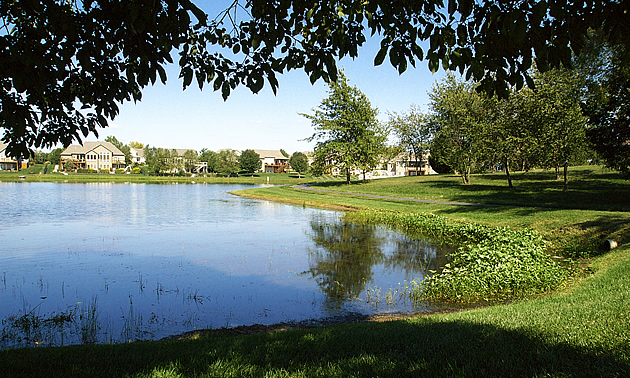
x=250, y=161
x=65, y=66
x=299, y=162
x=346, y=130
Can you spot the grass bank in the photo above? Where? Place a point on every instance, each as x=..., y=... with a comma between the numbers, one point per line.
x=581, y=330
x=36, y=174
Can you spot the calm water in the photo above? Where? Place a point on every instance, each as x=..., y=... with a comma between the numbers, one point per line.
x=115, y=262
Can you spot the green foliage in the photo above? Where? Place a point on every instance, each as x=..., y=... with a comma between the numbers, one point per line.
x=491, y=263
x=190, y=159
x=413, y=129
x=92, y=56
x=346, y=130
x=609, y=115
x=250, y=161
x=299, y=162
x=553, y=114
x=209, y=157
x=460, y=124
x=227, y=162
x=86, y=170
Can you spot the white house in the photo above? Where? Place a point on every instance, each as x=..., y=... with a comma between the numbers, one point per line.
x=101, y=156
x=273, y=161
x=137, y=156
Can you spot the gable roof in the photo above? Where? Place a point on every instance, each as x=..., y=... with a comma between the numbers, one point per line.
x=89, y=146
x=276, y=154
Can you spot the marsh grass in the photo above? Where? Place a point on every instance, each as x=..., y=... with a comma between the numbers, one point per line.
x=29, y=327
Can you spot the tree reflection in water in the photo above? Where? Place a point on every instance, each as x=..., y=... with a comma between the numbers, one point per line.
x=347, y=254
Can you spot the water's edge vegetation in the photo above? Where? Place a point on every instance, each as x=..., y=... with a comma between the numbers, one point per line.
x=491, y=263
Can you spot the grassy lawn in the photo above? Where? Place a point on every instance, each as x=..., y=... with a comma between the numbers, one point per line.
x=580, y=330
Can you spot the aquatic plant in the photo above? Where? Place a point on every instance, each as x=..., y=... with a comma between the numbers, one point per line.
x=491, y=263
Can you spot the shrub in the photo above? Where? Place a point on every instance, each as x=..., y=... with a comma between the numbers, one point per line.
x=86, y=170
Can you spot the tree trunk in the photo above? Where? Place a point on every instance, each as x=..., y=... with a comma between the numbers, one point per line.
x=557, y=172
x=507, y=172
x=348, y=176
x=566, y=178
x=466, y=175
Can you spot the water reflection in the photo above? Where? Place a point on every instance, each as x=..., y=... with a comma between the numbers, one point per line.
x=344, y=262
x=346, y=255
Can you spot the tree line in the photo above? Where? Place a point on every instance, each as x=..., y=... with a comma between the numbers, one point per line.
x=567, y=117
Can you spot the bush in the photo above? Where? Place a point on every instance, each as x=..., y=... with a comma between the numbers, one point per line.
x=86, y=170
x=136, y=170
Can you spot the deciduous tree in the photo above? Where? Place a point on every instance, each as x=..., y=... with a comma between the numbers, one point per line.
x=555, y=117
x=299, y=163
x=413, y=129
x=227, y=162
x=459, y=121
x=346, y=129
x=250, y=161
x=209, y=157
x=609, y=113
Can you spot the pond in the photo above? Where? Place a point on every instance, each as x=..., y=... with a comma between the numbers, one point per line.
x=105, y=262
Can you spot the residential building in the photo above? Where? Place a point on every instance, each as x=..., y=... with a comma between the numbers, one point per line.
x=137, y=156
x=273, y=161
x=8, y=163
x=406, y=164
x=100, y=156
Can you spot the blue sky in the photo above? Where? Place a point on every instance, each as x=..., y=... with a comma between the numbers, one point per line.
x=169, y=117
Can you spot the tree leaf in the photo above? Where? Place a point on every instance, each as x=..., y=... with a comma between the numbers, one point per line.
x=380, y=56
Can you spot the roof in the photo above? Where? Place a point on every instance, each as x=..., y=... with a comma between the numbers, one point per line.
x=137, y=151
x=89, y=146
x=276, y=154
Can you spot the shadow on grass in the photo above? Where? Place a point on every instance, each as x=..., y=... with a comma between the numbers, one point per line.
x=585, y=195
x=396, y=349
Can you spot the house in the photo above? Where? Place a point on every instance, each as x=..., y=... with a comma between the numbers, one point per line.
x=273, y=161
x=137, y=156
x=406, y=164
x=100, y=156
x=8, y=163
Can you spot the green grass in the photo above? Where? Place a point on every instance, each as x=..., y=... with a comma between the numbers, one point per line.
x=581, y=330
x=35, y=174
x=590, y=187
